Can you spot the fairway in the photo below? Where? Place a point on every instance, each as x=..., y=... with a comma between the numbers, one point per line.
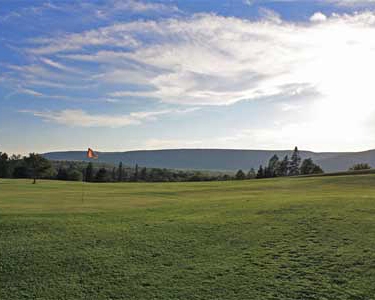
x=290, y=238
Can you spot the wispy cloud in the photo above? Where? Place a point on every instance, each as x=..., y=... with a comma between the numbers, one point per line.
x=329, y=2
x=112, y=8
x=31, y=92
x=91, y=9
x=351, y=2
x=215, y=60
x=59, y=66
x=80, y=118
x=140, y=6
x=172, y=143
x=211, y=60
x=72, y=42
x=208, y=59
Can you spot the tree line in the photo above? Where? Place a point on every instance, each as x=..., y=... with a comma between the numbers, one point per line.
x=285, y=167
x=36, y=166
x=142, y=174
x=33, y=166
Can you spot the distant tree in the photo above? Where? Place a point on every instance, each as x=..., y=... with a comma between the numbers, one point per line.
x=102, y=175
x=168, y=176
x=195, y=177
x=273, y=166
x=309, y=167
x=283, y=167
x=361, y=166
x=267, y=172
x=114, y=177
x=317, y=170
x=16, y=157
x=251, y=174
x=74, y=175
x=225, y=177
x=260, y=173
x=127, y=174
x=21, y=171
x=295, y=163
x=4, y=165
x=38, y=166
x=120, y=173
x=155, y=175
x=136, y=173
x=62, y=174
x=143, y=174
x=89, y=172
x=240, y=175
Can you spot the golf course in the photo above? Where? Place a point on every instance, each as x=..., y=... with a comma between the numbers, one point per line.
x=290, y=238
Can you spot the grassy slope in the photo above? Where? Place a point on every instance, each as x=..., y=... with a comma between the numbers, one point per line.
x=305, y=238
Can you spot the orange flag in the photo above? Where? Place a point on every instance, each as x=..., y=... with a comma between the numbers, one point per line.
x=91, y=154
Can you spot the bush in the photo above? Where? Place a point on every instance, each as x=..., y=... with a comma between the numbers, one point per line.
x=309, y=167
x=362, y=166
x=74, y=175
x=240, y=175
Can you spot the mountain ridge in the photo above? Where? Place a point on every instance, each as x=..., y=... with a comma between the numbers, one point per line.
x=216, y=159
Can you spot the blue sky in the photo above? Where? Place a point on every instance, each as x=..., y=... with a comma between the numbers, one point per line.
x=126, y=75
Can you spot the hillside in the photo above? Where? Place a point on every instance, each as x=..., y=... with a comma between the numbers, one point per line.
x=217, y=159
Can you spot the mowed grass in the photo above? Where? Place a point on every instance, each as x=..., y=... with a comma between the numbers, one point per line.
x=292, y=238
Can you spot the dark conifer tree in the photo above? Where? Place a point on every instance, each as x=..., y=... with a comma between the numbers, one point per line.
x=89, y=173
x=295, y=163
x=38, y=166
x=267, y=172
x=283, y=167
x=136, y=175
x=309, y=167
x=240, y=175
x=251, y=174
x=62, y=174
x=102, y=175
x=273, y=166
x=114, y=177
x=260, y=173
x=143, y=174
x=4, y=165
x=120, y=173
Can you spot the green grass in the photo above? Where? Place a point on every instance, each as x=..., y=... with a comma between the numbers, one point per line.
x=292, y=238
x=343, y=173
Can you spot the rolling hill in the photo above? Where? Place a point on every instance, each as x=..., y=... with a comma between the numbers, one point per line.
x=217, y=159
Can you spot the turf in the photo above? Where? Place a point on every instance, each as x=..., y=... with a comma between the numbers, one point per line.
x=305, y=238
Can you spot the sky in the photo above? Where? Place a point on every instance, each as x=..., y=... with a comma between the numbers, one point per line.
x=240, y=74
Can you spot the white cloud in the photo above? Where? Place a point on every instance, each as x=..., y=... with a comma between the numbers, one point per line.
x=140, y=6
x=334, y=2
x=351, y=2
x=248, y=2
x=307, y=135
x=318, y=17
x=78, y=41
x=29, y=92
x=80, y=118
x=57, y=65
x=172, y=143
x=208, y=59
x=290, y=107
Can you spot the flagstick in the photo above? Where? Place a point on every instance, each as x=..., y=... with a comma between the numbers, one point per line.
x=90, y=155
x=83, y=191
